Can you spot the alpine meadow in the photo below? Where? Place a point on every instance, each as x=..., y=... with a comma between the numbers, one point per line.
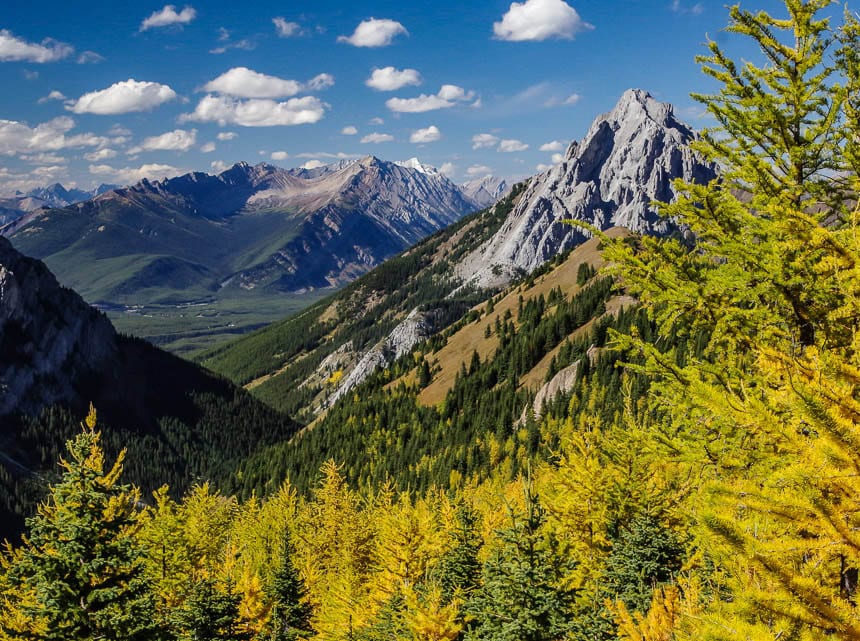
x=617, y=399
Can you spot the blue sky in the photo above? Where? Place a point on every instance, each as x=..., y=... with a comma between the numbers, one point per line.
x=105, y=92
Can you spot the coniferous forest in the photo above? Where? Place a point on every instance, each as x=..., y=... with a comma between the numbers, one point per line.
x=699, y=481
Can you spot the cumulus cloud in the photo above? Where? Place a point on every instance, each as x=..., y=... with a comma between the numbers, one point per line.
x=313, y=164
x=17, y=137
x=376, y=121
x=448, y=96
x=54, y=95
x=15, y=49
x=207, y=148
x=326, y=154
x=280, y=155
x=218, y=166
x=169, y=16
x=374, y=33
x=391, y=79
x=448, y=169
x=227, y=135
x=557, y=158
x=510, y=146
x=377, y=138
x=349, y=130
x=542, y=167
x=479, y=170
x=176, y=140
x=101, y=154
x=555, y=145
x=428, y=134
x=540, y=20
x=123, y=97
x=286, y=29
x=484, y=141
x=131, y=175
x=246, y=83
x=257, y=112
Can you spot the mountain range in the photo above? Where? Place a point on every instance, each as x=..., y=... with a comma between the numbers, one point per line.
x=12, y=208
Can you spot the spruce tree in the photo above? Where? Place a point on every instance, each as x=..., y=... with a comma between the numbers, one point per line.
x=79, y=573
x=291, y=613
x=210, y=614
x=522, y=597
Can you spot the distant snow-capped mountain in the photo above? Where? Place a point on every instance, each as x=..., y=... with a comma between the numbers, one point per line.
x=486, y=191
x=54, y=195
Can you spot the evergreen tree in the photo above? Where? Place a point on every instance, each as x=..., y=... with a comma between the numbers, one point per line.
x=522, y=598
x=79, y=573
x=291, y=613
x=209, y=614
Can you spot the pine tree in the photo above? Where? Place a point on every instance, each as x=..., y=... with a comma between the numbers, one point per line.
x=79, y=573
x=291, y=613
x=210, y=614
x=522, y=598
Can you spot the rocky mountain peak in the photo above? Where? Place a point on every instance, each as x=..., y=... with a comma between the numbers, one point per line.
x=627, y=160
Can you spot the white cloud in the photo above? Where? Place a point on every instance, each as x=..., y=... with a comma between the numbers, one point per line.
x=428, y=134
x=320, y=82
x=391, y=79
x=542, y=167
x=131, y=175
x=540, y=20
x=557, y=158
x=176, y=140
x=123, y=97
x=257, y=112
x=169, y=16
x=119, y=130
x=555, y=145
x=376, y=121
x=286, y=29
x=15, y=49
x=377, y=138
x=207, y=148
x=54, y=95
x=448, y=96
x=246, y=83
x=313, y=164
x=678, y=7
x=218, y=166
x=280, y=155
x=89, y=57
x=484, y=141
x=374, y=33
x=18, y=137
x=101, y=154
x=448, y=169
x=479, y=170
x=227, y=135
x=510, y=146
x=44, y=158
x=349, y=130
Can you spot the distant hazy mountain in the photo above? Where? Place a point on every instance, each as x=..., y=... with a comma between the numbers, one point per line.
x=485, y=191
x=247, y=229
x=51, y=196
x=627, y=160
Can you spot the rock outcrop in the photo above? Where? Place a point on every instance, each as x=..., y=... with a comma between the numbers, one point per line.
x=49, y=337
x=627, y=160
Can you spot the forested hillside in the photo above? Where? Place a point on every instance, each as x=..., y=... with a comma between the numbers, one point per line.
x=696, y=477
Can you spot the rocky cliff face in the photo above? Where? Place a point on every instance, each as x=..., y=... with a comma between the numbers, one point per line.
x=627, y=160
x=49, y=338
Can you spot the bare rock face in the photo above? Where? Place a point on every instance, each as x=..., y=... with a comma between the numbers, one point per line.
x=561, y=383
x=627, y=160
x=49, y=336
x=413, y=329
x=485, y=191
